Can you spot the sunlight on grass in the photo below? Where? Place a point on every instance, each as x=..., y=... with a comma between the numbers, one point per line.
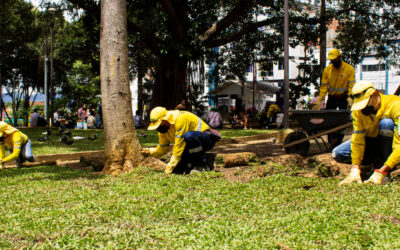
x=59, y=207
x=146, y=138
x=146, y=209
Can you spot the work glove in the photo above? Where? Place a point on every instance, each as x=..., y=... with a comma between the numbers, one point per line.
x=169, y=169
x=145, y=151
x=376, y=177
x=317, y=104
x=349, y=102
x=173, y=162
x=353, y=176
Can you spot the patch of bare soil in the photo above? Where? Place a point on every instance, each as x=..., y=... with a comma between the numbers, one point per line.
x=379, y=218
x=269, y=157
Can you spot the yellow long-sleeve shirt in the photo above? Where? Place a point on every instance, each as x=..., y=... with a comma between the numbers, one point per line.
x=13, y=139
x=337, y=81
x=366, y=126
x=181, y=122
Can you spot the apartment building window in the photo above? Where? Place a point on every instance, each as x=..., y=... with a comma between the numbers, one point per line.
x=281, y=65
x=373, y=67
x=267, y=69
x=266, y=73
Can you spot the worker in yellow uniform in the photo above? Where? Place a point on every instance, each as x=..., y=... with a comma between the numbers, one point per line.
x=18, y=144
x=376, y=138
x=272, y=111
x=337, y=81
x=191, y=137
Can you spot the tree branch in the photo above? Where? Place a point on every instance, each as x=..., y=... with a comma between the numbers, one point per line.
x=235, y=36
x=146, y=43
x=175, y=24
x=226, y=21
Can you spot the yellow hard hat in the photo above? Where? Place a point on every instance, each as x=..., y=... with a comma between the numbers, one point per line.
x=361, y=92
x=333, y=54
x=156, y=116
x=5, y=128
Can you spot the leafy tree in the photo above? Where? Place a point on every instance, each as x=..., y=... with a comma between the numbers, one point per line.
x=369, y=26
x=171, y=35
x=19, y=32
x=81, y=87
x=174, y=34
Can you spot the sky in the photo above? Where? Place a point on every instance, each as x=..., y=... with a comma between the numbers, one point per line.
x=36, y=3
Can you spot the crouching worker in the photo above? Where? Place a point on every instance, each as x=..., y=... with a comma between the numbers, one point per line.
x=375, y=139
x=191, y=136
x=18, y=144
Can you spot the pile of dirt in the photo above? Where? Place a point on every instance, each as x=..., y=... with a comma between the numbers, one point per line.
x=235, y=159
x=246, y=158
x=293, y=165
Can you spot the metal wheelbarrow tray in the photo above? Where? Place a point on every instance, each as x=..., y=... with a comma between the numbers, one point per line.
x=314, y=124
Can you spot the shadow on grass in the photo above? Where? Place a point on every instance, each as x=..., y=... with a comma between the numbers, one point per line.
x=51, y=173
x=53, y=145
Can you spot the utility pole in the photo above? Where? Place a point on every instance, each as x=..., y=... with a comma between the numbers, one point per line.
x=51, y=11
x=286, y=70
x=322, y=38
x=46, y=82
x=254, y=81
x=254, y=74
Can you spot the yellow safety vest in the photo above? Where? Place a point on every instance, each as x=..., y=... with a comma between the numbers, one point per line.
x=13, y=139
x=181, y=122
x=366, y=126
x=337, y=81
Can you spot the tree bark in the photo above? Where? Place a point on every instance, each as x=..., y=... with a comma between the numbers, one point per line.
x=122, y=150
x=170, y=86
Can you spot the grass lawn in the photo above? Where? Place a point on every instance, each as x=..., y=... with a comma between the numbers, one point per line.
x=55, y=207
x=54, y=146
x=59, y=207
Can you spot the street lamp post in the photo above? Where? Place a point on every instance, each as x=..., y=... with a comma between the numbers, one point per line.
x=46, y=82
x=51, y=11
x=286, y=66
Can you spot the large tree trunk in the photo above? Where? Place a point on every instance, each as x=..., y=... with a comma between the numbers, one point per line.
x=170, y=87
x=122, y=152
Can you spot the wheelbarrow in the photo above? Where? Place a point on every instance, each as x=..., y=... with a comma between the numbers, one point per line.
x=314, y=125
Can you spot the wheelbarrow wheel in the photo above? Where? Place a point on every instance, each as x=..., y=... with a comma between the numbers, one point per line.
x=301, y=148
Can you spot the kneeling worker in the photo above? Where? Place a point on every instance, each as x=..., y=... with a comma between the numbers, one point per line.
x=191, y=136
x=375, y=139
x=17, y=143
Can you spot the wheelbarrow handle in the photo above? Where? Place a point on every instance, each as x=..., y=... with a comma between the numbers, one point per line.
x=319, y=134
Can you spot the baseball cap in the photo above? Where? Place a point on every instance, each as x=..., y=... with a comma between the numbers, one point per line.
x=333, y=54
x=361, y=93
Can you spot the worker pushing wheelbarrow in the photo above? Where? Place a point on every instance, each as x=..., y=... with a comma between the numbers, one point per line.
x=337, y=81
